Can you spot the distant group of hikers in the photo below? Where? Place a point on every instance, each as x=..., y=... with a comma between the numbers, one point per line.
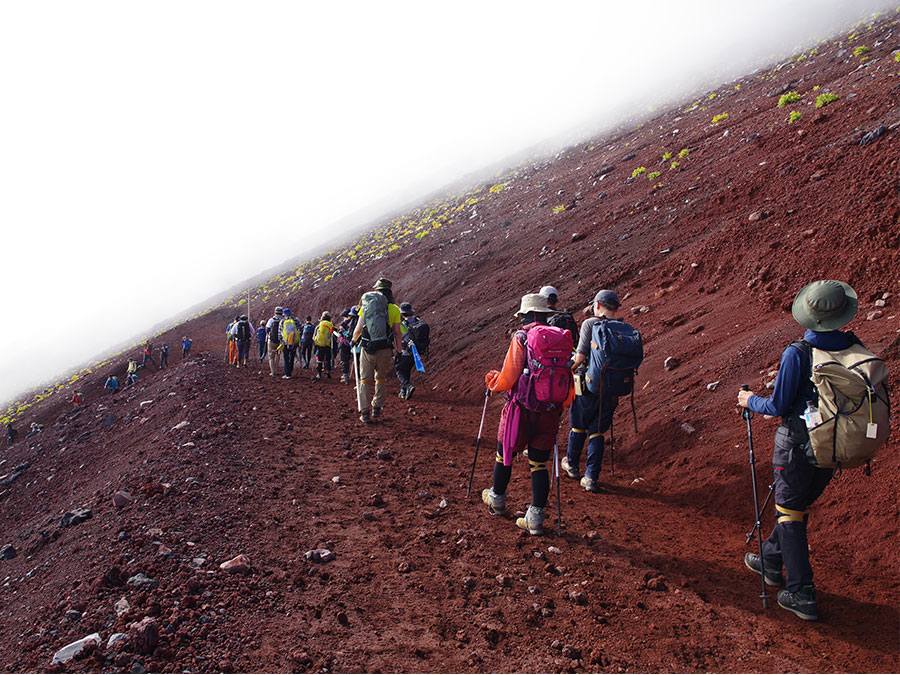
x=131, y=369
x=830, y=392
x=372, y=336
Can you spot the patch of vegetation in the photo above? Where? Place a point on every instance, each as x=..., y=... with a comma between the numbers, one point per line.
x=897, y=57
x=559, y=209
x=802, y=57
x=813, y=52
x=794, y=117
x=825, y=99
x=638, y=171
x=684, y=153
x=788, y=98
x=859, y=51
x=653, y=175
x=667, y=156
x=423, y=233
x=674, y=165
x=497, y=189
x=720, y=118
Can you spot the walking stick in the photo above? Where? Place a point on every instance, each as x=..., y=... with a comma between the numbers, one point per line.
x=747, y=415
x=612, y=450
x=487, y=393
x=761, y=511
x=558, y=502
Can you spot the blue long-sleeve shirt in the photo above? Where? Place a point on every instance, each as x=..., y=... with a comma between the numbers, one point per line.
x=793, y=387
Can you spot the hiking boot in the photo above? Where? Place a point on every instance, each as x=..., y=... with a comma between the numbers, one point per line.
x=317, y=377
x=802, y=603
x=345, y=379
x=496, y=503
x=285, y=377
x=533, y=522
x=364, y=418
x=570, y=472
x=772, y=576
x=589, y=484
x=376, y=412
x=409, y=390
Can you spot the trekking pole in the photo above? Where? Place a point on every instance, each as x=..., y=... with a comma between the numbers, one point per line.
x=612, y=451
x=761, y=511
x=487, y=393
x=747, y=415
x=558, y=501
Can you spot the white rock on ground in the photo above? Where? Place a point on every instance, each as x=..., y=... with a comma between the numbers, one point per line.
x=70, y=651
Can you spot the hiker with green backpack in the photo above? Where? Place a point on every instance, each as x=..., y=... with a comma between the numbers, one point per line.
x=378, y=332
x=537, y=378
x=831, y=394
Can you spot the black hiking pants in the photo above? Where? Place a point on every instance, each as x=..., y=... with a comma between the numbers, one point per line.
x=403, y=366
x=323, y=359
x=306, y=352
x=798, y=484
x=289, y=353
x=346, y=360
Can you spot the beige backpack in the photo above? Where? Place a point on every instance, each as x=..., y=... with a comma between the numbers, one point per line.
x=852, y=385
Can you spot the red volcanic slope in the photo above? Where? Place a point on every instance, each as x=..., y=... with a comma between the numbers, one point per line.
x=426, y=580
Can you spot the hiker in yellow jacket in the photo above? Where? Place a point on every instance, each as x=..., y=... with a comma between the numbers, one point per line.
x=322, y=339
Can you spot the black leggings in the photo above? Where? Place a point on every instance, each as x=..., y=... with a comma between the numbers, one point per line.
x=540, y=479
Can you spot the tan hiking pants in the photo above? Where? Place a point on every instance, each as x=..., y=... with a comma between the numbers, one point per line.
x=373, y=370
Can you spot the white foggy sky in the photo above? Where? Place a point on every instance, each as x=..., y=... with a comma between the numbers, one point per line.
x=154, y=154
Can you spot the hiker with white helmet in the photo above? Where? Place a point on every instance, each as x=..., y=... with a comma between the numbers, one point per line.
x=559, y=318
x=537, y=378
x=801, y=470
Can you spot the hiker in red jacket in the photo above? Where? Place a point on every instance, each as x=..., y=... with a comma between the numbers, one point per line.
x=526, y=420
x=148, y=354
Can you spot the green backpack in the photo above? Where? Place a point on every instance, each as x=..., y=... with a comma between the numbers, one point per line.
x=374, y=307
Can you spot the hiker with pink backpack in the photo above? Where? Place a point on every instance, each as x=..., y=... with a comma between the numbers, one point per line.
x=537, y=377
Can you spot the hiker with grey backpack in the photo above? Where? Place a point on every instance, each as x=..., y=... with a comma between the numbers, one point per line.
x=417, y=336
x=378, y=332
x=607, y=357
x=831, y=394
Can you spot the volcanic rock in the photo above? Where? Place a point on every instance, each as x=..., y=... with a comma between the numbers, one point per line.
x=141, y=580
x=121, y=499
x=319, y=555
x=7, y=552
x=75, y=649
x=671, y=363
x=75, y=517
x=144, y=635
x=238, y=565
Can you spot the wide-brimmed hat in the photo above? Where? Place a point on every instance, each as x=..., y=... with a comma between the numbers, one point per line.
x=533, y=302
x=382, y=285
x=279, y=310
x=406, y=309
x=825, y=305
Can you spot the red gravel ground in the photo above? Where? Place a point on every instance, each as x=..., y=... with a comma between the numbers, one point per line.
x=648, y=575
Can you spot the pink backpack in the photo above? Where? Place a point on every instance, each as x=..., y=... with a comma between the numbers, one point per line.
x=547, y=379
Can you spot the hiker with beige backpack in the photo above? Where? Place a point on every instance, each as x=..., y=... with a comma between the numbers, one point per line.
x=832, y=396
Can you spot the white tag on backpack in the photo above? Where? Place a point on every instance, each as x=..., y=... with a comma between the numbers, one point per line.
x=871, y=430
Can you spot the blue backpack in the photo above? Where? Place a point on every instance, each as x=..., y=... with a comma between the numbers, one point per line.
x=616, y=353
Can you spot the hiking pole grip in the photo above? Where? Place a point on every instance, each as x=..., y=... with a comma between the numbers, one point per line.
x=745, y=412
x=487, y=393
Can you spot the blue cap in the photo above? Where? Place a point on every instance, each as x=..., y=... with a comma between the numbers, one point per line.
x=608, y=299
x=286, y=312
